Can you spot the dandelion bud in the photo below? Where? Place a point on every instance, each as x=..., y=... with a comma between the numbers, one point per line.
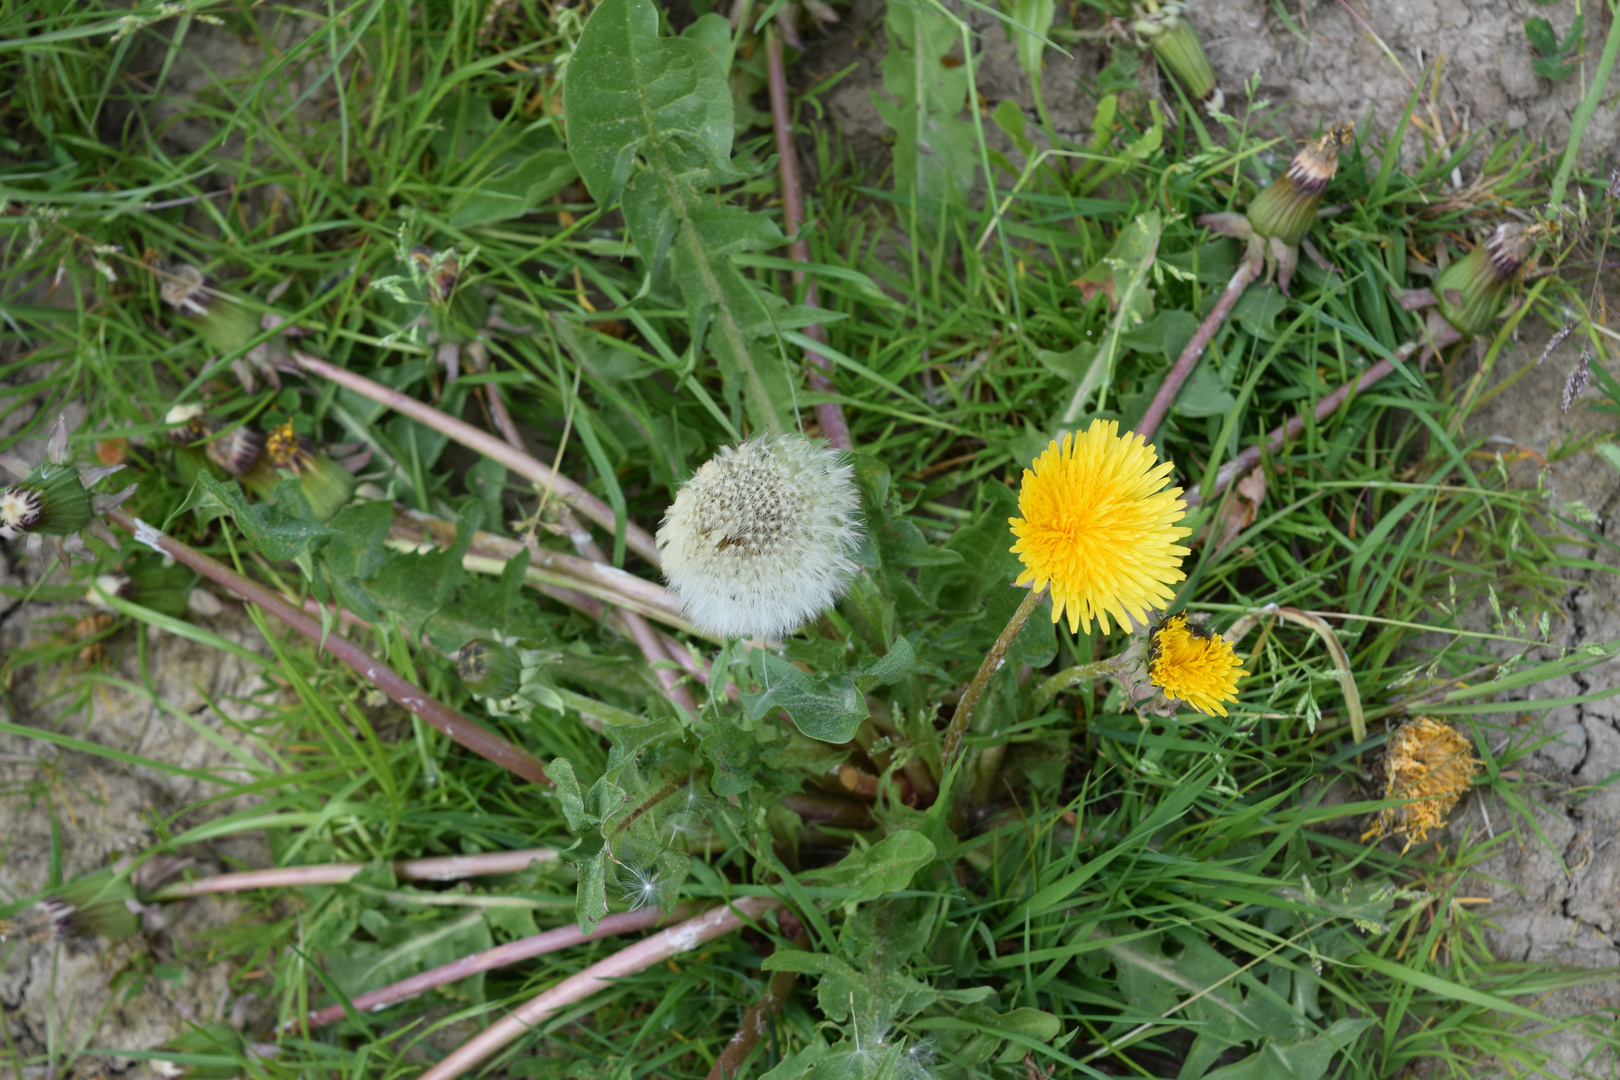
x=147, y=581
x=1163, y=27
x=218, y=320
x=51, y=501
x=1287, y=208
x=54, y=499
x=1471, y=290
x=325, y=483
x=489, y=669
x=187, y=424
x=236, y=451
x=99, y=904
x=758, y=542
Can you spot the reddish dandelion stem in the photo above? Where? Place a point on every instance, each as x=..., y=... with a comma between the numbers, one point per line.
x=401, y=690
x=829, y=414
x=439, y=868
x=1159, y=407
x=640, y=541
x=511, y=953
x=599, y=976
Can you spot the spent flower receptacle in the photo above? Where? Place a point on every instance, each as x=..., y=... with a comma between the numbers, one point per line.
x=1162, y=27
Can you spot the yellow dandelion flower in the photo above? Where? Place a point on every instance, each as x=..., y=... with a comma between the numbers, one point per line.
x=1431, y=762
x=1097, y=527
x=1191, y=664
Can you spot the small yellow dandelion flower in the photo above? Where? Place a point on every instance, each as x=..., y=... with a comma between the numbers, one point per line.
x=1097, y=527
x=1191, y=664
x=1431, y=762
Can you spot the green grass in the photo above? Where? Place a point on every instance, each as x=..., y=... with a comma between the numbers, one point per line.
x=1153, y=899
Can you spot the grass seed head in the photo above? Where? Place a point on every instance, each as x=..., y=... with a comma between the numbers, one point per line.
x=1428, y=761
x=759, y=541
x=1191, y=664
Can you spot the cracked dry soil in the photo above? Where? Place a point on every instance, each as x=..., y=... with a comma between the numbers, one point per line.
x=1554, y=901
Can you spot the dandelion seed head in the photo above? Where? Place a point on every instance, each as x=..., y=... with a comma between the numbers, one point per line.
x=1097, y=527
x=759, y=541
x=1191, y=664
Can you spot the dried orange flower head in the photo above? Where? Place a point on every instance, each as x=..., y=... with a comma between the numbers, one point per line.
x=1097, y=526
x=1194, y=665
x=1430, y=762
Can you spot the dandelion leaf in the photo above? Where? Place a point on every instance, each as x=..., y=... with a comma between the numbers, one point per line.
x=650, y=127
x=934, y=149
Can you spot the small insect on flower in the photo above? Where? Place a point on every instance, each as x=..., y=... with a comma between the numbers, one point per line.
x=1193, y=664
x=1432, y=763
x=1097, y=526
x=759, y=541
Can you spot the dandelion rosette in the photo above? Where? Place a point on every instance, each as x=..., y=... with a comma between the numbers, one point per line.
x=53, y=499
x=1193, y=665
x=1431, y=763
x=1097, y=527
x=759, y=541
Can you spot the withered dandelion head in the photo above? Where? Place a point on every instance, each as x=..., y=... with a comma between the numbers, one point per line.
x=1097, y=526
x=1429, y=762
x=759, y=541
x=1194, y=665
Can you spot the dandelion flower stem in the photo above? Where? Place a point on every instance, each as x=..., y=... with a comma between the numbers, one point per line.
x=829, y=414
x=600, y=976
x=1176, y=377
x=401, y=690
x=441, y=868
x=981, y=679
x=512, y=952
x=640, y=541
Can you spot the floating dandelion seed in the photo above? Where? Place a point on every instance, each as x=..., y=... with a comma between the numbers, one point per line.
x=1097, y=527
x=759, y=541
x=1191, y=664
x=1432, y=763
x=642, y=888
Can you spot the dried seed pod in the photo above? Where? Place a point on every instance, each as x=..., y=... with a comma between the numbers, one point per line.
x=222, y=322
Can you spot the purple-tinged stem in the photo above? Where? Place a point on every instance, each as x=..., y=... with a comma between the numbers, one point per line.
x=401, y=690
x=599, y=976
x=829, y=414
x=1250, y=457
x=1159, y=407
x=441, y=868
x=511, y=953
x=639, y=540
x=756, y=1019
